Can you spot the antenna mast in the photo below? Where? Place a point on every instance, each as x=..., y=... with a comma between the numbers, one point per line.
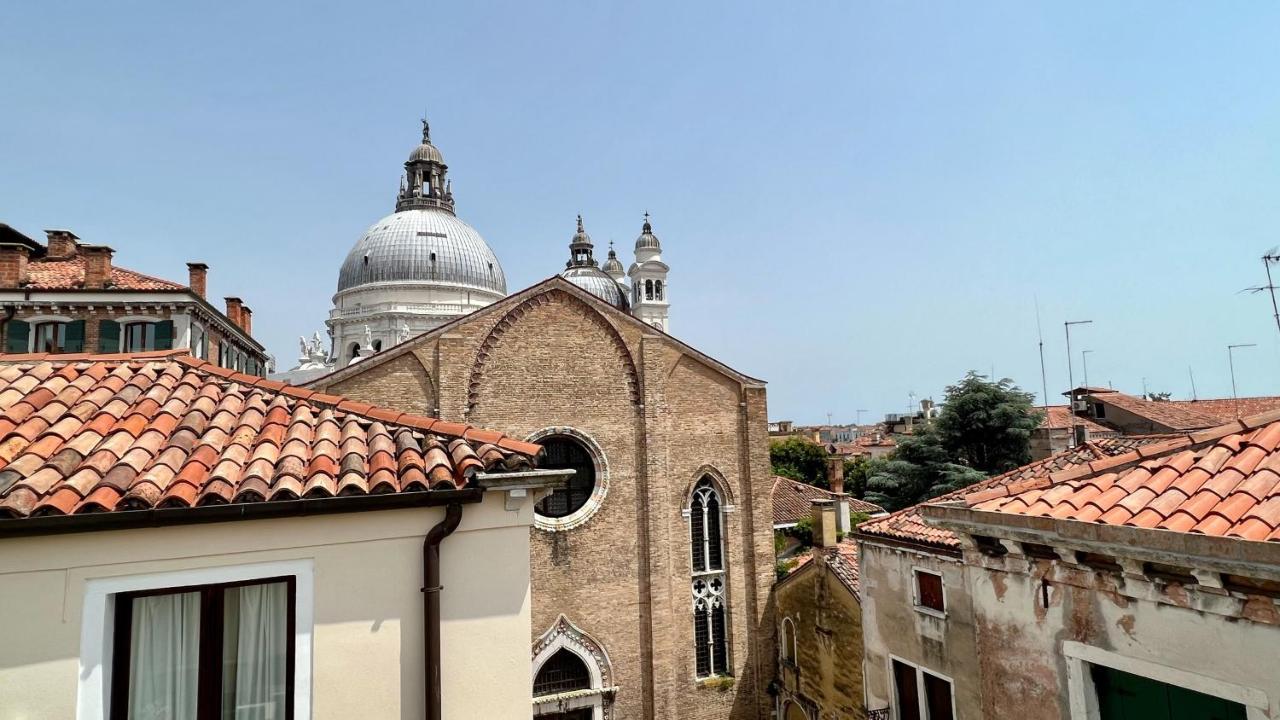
x=1044, y=381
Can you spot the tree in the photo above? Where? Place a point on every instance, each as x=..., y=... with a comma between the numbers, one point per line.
x=1159, y=396
x=856, y=472
x=920, y=468
x=799, y=459
x=986, y=425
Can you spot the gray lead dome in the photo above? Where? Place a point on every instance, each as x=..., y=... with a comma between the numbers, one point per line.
x=422, y=246
x=596, y=282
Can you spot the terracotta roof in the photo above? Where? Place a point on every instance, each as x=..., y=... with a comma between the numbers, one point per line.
x=1059, y=417
x=908, y=524
x=1171, y=414
x=1223, y=482
x=792, y=501
x=85, y=433
x=68, y=274
x=1225, y=410
x=843, y=561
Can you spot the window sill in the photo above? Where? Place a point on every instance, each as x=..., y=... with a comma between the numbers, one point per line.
x=940, y=614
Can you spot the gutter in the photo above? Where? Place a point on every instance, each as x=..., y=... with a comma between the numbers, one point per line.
x=516, y=485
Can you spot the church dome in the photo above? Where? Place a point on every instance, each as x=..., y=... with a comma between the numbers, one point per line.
x=647, y=240
x=595, y=281
x=426, y=152
x=425, y=246
x=613, y=266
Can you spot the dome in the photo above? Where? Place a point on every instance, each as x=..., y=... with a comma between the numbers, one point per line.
x=595, y=281
x=647, y=239
x=426, y=152
x=423, y=246
x=613, y=266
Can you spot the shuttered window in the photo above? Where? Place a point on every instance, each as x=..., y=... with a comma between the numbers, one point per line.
x=929, y=591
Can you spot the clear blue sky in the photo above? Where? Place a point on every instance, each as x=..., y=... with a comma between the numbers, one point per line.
x=858, y=200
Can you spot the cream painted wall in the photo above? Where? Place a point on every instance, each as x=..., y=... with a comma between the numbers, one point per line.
x=367, y=641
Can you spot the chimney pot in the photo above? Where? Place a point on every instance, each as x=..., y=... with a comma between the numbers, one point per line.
x=63, y=244
x=198, y=278
x=13, y=265
x=824, y=523
x=234, y=304
x=246, y=320
x=97, y=266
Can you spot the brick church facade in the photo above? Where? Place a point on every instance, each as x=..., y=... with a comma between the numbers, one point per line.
x=652, y=570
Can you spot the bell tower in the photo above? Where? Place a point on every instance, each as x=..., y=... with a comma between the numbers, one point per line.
x=424, y=184
x=649, y=280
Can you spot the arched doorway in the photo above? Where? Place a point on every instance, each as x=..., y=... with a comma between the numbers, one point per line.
x=572, y=677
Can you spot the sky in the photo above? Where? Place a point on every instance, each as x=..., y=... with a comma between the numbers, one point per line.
x=859, y=201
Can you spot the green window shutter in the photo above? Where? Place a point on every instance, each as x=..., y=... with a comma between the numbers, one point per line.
x=164, y=335
x=74, y=338
x=108, y=336
x=19, y=336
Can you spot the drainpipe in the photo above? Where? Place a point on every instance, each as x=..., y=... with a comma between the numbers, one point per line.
x=431, y=603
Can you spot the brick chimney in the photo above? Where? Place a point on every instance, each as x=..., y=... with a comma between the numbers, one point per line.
x=197, y=277
x=246, y=320
x=97, y=266
x=62, y=244
x=234, y=304
x=835, y=470
x=13, y=265
x=824, y=523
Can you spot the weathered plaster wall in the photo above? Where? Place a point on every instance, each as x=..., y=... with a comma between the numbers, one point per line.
x=828, y=621
x=892, y=625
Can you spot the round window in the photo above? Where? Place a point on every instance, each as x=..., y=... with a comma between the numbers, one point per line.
x=564, y=453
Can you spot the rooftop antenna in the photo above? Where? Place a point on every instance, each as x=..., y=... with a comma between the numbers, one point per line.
x=1231, y=361
x=1071, y=377
x=1193, y=383
x=1267, y=259
x=1084, y=358
x=828, y=417
x=1044, y=382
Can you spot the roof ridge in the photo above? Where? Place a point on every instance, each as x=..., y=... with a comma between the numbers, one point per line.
x=1123, y=461
x=182, y=356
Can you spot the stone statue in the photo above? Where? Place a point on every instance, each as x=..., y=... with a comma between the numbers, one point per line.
x=404, y=331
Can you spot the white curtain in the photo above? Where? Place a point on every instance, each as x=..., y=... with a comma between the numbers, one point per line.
x=164, y=661
x=255, y=652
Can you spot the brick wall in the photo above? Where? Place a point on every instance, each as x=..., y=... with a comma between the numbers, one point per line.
x=827, y=669
x=662, y=419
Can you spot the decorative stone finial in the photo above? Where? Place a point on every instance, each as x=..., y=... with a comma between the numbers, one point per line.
x=580, y=223
x=426, y=131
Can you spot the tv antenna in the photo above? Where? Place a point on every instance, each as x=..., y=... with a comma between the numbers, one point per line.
x=1270, y=257
x=1044, y=382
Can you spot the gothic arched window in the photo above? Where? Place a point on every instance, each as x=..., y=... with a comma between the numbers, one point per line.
x=788, y=640
x=706, y=520
x=562, y=672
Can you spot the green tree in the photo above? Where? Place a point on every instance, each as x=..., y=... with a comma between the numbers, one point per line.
x=856, y=472
x=920, y=468
x=799, y=459
x=986, y=425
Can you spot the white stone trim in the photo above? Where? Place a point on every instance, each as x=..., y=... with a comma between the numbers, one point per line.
x=915, y=592
x=920, y=693
x=563, y=634
x=1083, y=697
x=97, y=627
x=593, y=504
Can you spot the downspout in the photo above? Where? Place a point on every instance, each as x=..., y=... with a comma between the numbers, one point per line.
x=431, y=604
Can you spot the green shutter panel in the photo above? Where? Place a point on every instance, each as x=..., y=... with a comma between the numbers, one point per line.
x=108, y=336
x=19, y=334
x=164, y=335
x=74, y=338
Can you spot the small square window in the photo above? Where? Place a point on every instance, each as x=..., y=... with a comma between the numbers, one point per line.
x=929, y=591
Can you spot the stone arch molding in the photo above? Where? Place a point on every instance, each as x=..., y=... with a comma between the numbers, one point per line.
x=563, y=634
x=547, y=298
x=717, y=479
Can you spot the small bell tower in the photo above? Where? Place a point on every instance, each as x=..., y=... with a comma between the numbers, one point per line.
x=424, y=184
x=649, y=291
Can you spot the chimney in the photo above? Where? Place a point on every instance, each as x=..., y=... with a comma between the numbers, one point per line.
x=234, y=304
x=197, y=278
x=824, y=523
x=835, y=470
x=13, y=265
x=97, y=266
x=62, y=244
x=246, y=320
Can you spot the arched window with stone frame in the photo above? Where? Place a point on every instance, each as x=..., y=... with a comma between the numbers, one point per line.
x=708, y=582
x=787, y=641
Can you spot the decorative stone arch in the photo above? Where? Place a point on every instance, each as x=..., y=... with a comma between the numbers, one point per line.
x=598, y=493
x=722, y=486
x=787, y=640
x=564, y=635
x=547, y=298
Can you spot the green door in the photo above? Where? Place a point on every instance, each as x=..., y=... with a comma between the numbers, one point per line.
x=1122, y=696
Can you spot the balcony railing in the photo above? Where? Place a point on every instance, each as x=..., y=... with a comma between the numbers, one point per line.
x=881, y=714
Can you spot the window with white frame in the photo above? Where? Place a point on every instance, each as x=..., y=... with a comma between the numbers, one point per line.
x=706, y=520
x=788, y=641
x=139, y=336
x=205, y=652
x=929, y=593
x=920, y=694
x=199, y=342
x=49, y=337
